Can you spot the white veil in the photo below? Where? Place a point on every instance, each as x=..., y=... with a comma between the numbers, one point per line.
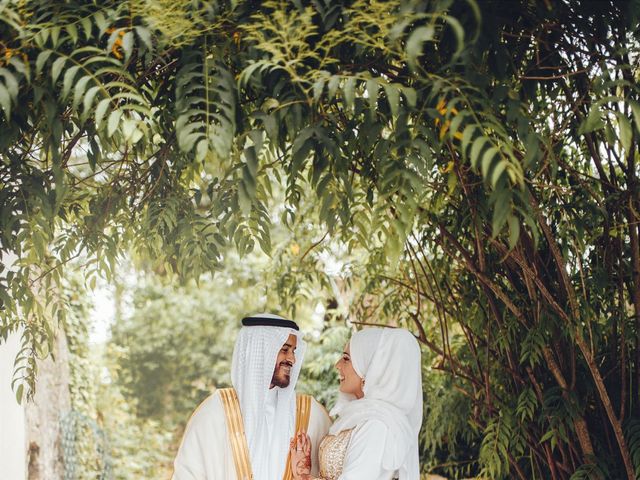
x=389, y=361
x=252, y=366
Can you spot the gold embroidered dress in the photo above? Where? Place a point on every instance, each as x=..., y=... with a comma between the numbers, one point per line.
x=333, y=449
x=354, y=453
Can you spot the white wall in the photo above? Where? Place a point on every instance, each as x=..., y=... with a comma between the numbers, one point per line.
x=13, y=447
x=13, y=429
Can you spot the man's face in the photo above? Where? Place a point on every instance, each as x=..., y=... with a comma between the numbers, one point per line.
x=284, y=363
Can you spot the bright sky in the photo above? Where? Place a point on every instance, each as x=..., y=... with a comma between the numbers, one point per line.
x=102, y=314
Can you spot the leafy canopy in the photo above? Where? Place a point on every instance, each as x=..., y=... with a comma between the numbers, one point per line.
x=483, y=154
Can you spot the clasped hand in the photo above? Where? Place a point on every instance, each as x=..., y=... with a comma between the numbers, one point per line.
x=300, y=449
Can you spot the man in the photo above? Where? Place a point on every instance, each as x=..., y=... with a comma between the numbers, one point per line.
x=243, y=433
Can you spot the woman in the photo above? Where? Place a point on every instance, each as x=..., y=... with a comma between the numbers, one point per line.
x=379, y=412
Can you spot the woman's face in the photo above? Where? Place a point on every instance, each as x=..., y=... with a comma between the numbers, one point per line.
x=350, y=382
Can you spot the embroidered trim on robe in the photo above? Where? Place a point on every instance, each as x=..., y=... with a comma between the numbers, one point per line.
x=238, y=439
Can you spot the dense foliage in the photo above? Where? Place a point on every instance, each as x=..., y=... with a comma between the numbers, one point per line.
x=484, y=154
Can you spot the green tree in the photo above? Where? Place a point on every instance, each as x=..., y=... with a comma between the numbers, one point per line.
x=484, y=155
x=174, y=346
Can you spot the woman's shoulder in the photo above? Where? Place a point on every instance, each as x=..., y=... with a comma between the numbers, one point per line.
x=371, y=426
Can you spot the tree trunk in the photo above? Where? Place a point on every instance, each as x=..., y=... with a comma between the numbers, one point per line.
x=585, y=350
x=51, y=401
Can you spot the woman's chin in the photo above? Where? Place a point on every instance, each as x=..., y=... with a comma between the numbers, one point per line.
x=346, y=391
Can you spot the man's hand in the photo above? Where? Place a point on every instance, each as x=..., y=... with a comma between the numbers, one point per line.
x=300, y=449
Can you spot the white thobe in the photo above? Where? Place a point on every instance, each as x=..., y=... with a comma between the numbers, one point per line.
x=269, y=415
x=205, y=452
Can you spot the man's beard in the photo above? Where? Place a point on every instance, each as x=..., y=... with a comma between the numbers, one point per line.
x=281, y=379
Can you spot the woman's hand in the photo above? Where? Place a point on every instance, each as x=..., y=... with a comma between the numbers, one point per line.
x=300, y=449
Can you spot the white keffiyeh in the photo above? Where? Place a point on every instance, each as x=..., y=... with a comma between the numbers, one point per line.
x=389, y=361
x=252, y=367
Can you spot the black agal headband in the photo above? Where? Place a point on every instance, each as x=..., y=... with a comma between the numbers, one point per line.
x=269, y=322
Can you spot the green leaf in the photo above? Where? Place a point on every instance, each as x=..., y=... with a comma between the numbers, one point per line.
x=635, y=108
x=202, y=148
x=593, y=121
x=20, y=393
x=88, y=100
x=56, y=68
x=458, y=31
x=452, y=181
x=128, y=129
x=145, y=36
x=244, y=199
x=349, y=91
x=548, y=435
x=257, y=137
x=69, y=77
x=113, y=122
x=501, y=209
x=625, y=131
x=85, y=22
x=318, y=88
x=476, y=148
x=497, y=172
x=188, y=136
x=301, y=148
x=101, y=22
x=393, y=97
x=55, y=35
x=414, y=45
x=72, y=31
x=42, y=59
x=514, y=230
x=467, y=134
x=411, y=96
x=127, y=44
x=455, y=124
x=609, y=135
x=250, y=182
x=332, y=87
x=21, y=67
x=5, y=101
x=79, y=90
x=487, y=160
x=372, y=92
x=101, y=110
x=532, y=149
x=251, y=160
x=10, y=83
x=477, y=15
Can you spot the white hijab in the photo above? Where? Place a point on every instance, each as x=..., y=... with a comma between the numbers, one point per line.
x=252, y=366
x=389, y=361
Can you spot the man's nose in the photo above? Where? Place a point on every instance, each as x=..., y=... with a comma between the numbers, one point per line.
x=291, y=357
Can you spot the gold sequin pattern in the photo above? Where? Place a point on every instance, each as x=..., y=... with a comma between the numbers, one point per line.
x=331, y=453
